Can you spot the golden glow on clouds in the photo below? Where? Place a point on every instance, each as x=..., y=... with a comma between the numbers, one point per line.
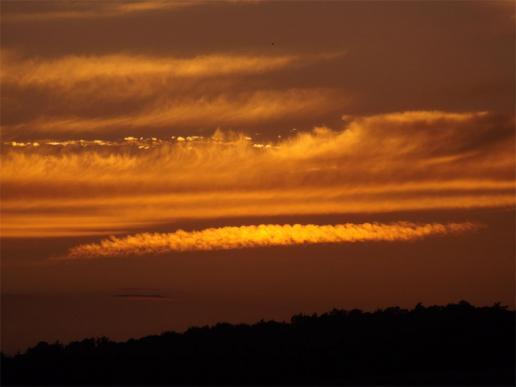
x=226, y=238
x=69, y=71
x=229, y=110
x=77, y=94
x=83, y=10
x=427, y=160
x=422, y=116
x=156, y=92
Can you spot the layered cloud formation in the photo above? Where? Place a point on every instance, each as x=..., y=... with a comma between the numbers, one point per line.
x=264, y=235
x=124, y=122
x=278, y=97
x=101, y=95
x=383, y=163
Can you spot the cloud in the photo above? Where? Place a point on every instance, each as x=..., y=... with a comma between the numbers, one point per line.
x=142, y=297
x=260, y=106
x=60, y=10
x=423, y=161
x=93, y=93
x=75, y=70
x=264, y=235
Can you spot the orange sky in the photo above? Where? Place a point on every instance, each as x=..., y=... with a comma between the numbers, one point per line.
x=226, y=153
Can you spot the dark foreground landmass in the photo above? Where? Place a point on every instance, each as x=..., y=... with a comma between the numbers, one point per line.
x=457, y=344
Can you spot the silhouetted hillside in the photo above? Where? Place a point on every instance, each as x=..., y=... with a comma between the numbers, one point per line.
x=457, y=344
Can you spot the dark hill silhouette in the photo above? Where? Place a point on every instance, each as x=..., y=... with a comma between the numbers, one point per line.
x=457, y=344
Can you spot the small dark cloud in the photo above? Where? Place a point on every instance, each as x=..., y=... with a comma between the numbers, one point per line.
x=137, y=296
x=135, y=293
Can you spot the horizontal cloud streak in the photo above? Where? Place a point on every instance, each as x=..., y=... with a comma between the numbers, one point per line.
x=264, y=235
x=61, y=10
x=69, y=71
x=93, y=93
x=396, y=162
x=245, y=108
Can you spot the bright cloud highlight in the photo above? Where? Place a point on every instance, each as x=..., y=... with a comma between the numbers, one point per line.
x=406, y=161
x=264, y=235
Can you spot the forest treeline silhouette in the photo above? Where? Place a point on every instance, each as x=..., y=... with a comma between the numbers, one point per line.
x=456, y=344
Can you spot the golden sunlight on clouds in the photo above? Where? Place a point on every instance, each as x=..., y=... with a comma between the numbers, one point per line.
x=422, y=116
x=228, y=110
x=218, y=129
x=154, y=92
x=60, y=10
x=80, y=94
x=427, y=160
x=225, y=238
x=69, y=71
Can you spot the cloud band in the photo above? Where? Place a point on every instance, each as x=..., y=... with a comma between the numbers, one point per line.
x=264, y=235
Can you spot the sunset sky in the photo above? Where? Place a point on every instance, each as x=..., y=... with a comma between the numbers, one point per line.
x=174, y=163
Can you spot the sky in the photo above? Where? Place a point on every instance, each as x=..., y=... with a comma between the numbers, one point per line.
x=174, y=163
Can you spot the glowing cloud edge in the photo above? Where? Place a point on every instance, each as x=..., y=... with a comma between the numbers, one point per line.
x=263, y=235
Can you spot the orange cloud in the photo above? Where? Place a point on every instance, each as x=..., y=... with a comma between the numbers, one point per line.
x=157, y=91
x=77, y=10
x=260, y=106
x=69, y=71
x=226, y=238
x=94, y=93
x=438, y=160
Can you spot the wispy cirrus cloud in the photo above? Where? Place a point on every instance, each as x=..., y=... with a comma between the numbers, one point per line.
x=74, y=95
x=70, y=71
x=396, y=162
x=61, y=10
x=221, y=110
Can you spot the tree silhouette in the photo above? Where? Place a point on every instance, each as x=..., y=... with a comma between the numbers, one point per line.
x=457, y=344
